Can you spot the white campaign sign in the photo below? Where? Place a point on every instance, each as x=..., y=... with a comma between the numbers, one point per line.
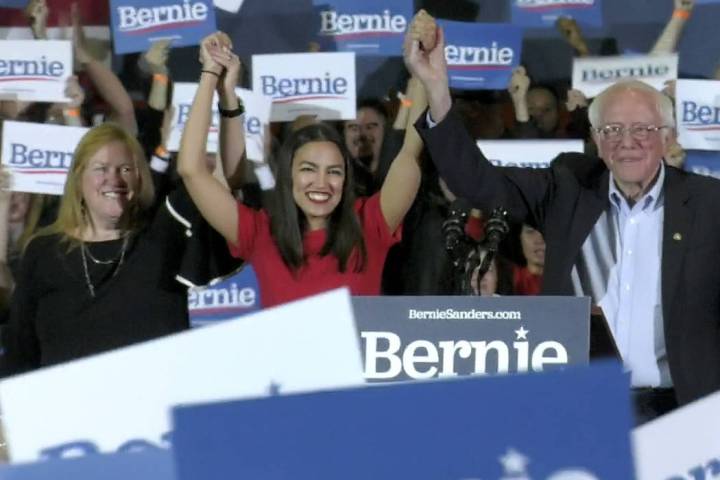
x=684, y=444
x=526, y=153
x=697, y=104
x=38, y=156
x=256, y=120
x=319, y=84
x=592, y=75
x=35, y=70
x=232, y=6
x=115, y=397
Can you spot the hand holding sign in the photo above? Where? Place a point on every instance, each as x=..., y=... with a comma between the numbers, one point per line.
x=37, y=11
x=575, y=99
x=156, y=57
x=74, y=92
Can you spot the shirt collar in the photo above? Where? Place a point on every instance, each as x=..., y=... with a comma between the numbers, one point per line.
x=652, y=199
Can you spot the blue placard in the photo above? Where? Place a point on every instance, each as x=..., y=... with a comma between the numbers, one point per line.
x=156, y=464
x=137, y=23
x=366, y=27
x=233, y=297
x=544, y=13
x=703, y=162
x=481, y=56
x=13, y=3
x=707, y=2
x=512, y=427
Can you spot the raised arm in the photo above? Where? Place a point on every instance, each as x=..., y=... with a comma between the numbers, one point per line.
x=573, y=35
x=670, y=36
x=518, y=89
x=156, y=61
x=37, y=12
x=214, y=201
x=105, y=81
x=232, y=133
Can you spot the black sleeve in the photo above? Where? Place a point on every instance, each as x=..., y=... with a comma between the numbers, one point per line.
x=21, y=349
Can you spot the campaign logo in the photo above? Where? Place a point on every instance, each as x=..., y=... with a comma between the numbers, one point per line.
x=603, y=75
x=24, y=159
x=141, y=20
x=31, y=70
x=700, y=118
x=385, y=357
x=515, y=466
x=481, y=56
x=297, y=90
x=371, y=27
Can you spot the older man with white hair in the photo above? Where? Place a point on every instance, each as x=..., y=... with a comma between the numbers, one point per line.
x=639, y=237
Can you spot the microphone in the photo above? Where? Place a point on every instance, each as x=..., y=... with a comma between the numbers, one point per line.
x=453, y=229
x=495, y=230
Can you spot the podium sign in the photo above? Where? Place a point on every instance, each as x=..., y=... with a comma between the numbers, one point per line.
x=425, y=337
x=558, y=425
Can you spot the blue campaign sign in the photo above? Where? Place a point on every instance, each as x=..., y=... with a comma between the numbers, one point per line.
x=481, y=56
x=366, y=27
x=156, y=464
x=236, y=295
x=703, y=162
x=137, y=23
x=707, y=2
x=544, y=13
x=13, y=3
x=540, y=426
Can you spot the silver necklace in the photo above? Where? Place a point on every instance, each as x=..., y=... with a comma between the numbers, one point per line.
x=84, y=253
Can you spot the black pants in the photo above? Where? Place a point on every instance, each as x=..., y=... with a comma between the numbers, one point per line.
x=650, y=403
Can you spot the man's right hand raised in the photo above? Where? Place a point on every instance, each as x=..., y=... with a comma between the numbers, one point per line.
x=427, y=63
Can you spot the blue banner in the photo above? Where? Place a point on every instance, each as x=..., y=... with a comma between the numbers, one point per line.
x=137, y=23
x=544, y=13
x=707, y=2
x=233, y=297
x=539, y=426
x=481, y=56
x=13, y=3
x=703, y=162
x=154, y=464
x=366, y=27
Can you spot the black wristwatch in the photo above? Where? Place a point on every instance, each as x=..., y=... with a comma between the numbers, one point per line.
x=232, y=113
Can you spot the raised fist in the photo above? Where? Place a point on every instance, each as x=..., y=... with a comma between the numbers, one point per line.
x=424, y=29
x=575, y=99
x=519, y=83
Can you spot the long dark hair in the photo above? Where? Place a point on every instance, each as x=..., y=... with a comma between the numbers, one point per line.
x=288, y=223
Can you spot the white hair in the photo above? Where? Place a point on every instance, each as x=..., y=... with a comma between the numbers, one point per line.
x=663, y=103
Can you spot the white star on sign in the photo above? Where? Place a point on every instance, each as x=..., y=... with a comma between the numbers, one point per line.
x=514, y=462
x=521, y=333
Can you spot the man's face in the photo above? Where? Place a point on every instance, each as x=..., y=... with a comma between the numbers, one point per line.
x=632, y=158
x=542, y=107
x=364, y=136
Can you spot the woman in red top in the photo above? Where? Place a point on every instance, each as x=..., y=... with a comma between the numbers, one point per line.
x=315, y=236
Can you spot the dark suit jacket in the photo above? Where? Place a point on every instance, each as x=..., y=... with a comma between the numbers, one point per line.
x=565, y=200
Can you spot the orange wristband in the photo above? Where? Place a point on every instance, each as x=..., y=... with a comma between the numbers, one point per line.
x=682, y=14
x=161, y=152
x=160, y=78
x=72, y=112
x=406, y=102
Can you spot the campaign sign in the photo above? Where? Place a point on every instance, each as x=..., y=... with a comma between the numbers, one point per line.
x=557, y=425
x=13, y=3
x=423, y=337
x=256, y=120
x=140, y=464
x=367, y=27
x=233, y=297
x=697, y=110
x=592, y=75
x=35, y=70
x=527, y=153
x=683, y=444
x=38, y=156
x=116, y=400
x=481, y=56
x=232, y=6
x=320, y=84
x=136, y=24
x=544, y=13
x=703, y=162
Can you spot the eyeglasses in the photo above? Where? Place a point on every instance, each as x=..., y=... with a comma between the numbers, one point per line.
x=615, y=131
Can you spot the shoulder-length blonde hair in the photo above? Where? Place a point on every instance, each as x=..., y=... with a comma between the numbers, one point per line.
x=72, y=216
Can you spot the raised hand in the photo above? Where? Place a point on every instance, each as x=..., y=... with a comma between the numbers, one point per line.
x=575, y=99
x=519, y=83
x=215, y=42
x=571, y=31
x=686, y=5
x=74, y=92
x=232, y=69
x=37, y=11
x=82, y=56
x=157, y=55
